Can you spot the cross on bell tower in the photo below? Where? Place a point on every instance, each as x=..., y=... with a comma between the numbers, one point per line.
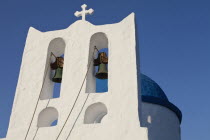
x=84, y=12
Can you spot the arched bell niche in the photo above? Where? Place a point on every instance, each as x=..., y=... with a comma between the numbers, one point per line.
x=47, y=117
x=95, y=113
x=51, y=89
x=93, y=85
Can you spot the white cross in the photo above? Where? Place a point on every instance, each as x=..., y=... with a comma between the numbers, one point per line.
x=84, y=12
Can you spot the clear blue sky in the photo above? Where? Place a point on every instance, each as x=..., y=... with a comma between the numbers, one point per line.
x=174, y=38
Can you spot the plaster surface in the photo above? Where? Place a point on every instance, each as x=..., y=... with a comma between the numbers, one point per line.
x=162, y=123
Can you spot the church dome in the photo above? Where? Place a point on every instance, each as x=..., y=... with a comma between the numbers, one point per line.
x=152, y=93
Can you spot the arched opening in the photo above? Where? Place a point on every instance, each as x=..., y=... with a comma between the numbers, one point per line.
x=100, y=41
x=48, y=117
x=95, y=113
x=52, y=89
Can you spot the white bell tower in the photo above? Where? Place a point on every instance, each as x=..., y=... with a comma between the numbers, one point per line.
x=81, y=113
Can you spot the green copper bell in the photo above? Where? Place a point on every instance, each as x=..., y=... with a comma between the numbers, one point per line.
x=102, y=72
x=58, y=75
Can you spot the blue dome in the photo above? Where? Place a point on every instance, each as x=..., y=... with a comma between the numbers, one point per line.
x=151, y=88
x=152, y=93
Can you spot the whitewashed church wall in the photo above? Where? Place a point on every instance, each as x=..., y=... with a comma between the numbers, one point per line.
x=162, y=123
x=121, y=100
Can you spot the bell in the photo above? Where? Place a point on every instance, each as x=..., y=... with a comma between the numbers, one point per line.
x=58, y=75
x=102, y=72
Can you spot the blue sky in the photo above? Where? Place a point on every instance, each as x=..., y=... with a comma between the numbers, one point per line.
x=174, y=38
